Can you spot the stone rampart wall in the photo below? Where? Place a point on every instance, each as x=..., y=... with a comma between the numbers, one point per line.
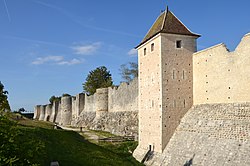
x=89, y=103
x=37, y=112
x=123, y=97
x=58, y=116
x=110, y=109
x=54, y=111
x=48, y=111
x=210, y=134
x=66, y=110
x=221, y=76
x=42, y=112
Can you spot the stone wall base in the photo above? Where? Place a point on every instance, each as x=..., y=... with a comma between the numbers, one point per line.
x=210, y=134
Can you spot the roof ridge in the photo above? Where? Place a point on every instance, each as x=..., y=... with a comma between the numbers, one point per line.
x=164, y=19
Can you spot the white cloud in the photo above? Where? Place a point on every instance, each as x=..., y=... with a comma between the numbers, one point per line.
x=132, y=52
x=86, y=49
x=58, y=60
x=71, y=62
x=42, y=60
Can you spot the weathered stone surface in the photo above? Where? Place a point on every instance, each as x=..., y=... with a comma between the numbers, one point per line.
x=84, y=120
x=58, y=117
x=112, y=109
x=48, y=111
x=217, y=134
x=119, y=123
x=101, y=101
x=221, y=76
x=37, y=112
x=66, y=110
x=54, y=111
x=124, y=97
x=166, y=87
x=42, y=112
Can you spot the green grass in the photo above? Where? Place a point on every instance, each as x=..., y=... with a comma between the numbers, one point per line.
x=71, y=149
x=102, y=133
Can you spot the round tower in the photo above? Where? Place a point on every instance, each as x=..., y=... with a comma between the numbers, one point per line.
x=58, y=115
x=47, y=112
x=54, y=111
x=66, y=110
x=36, y=112
x=42, y=112
x=101, y=101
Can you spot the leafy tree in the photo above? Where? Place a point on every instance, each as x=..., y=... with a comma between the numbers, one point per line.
x=4, y=104
x=65, y=95
x=21, y=110
x=54, y=98
x=98, y=78
x=129, y=71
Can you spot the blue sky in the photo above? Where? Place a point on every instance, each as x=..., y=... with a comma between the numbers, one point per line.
x=47, y=47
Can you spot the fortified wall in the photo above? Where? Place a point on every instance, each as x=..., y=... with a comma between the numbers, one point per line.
x=113, y=109
x=216, y=130
x=194, y=107
x=209, y=134
x=221, y=76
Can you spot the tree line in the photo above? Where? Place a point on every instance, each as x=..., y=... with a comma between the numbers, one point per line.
x=102, y=78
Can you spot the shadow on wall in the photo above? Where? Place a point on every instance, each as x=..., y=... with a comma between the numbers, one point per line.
x=189, y=162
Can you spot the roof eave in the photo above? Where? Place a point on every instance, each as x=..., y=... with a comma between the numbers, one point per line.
x=147, y=40
x=196, y=35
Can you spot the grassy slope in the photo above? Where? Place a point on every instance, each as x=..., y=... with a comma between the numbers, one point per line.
x=71, y=149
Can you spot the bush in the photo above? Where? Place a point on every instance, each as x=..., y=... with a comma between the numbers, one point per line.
x=15, y=148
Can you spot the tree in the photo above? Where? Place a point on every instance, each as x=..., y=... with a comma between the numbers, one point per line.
x=98, y=78
x=4, y=104
x=129, y=71
x=66, y=95
x=21, y=110
x=54, y=98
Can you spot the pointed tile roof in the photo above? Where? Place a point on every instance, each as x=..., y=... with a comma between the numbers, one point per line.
x=167, y=22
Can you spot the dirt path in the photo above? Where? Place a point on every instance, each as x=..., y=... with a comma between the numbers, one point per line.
x=85, y=132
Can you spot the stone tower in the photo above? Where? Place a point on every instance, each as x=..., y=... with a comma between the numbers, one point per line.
x=165, y=81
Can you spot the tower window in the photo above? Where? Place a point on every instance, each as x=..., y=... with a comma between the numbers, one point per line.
x=145, y=51
x=152, y=47
x=178, y=44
